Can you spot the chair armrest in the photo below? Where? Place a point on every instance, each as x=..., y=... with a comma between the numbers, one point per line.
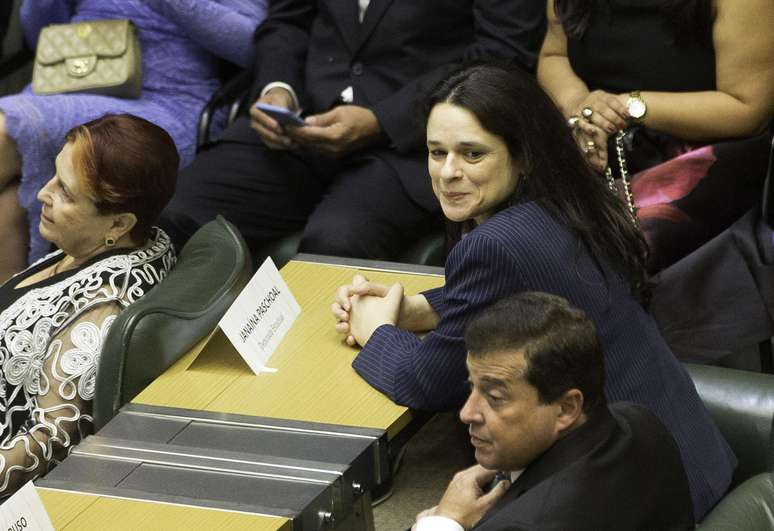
x=232, y=92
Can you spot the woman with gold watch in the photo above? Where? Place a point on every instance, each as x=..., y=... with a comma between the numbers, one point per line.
x=676, y=96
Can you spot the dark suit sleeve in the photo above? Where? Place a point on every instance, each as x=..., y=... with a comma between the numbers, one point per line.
x=431, y=374
x=281, y=43
x=505, y=29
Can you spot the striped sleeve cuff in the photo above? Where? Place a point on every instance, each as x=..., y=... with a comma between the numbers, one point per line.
x=435, y=299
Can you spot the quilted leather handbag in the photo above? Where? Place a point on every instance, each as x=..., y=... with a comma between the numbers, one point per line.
x=96, y=56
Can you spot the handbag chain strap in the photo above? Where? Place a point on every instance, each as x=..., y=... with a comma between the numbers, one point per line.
x=627, y=187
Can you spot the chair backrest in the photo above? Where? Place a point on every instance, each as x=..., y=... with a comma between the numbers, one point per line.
x=430, y=250
x=742, y=405
x=233, y=94
x=153, y=333
x=749, y=507
x=281, y=251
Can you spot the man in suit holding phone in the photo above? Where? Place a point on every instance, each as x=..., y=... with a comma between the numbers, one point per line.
x=355, y=175
x=537, y=412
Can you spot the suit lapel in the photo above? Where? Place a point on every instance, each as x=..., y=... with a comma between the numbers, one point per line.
x=373, y=15
x=344, y=13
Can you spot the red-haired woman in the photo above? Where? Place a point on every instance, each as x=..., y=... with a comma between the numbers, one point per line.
x=183, y=45
x=113, y=177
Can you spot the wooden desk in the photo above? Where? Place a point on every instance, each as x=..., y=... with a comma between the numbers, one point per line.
x=314, y=379
x=76, y=511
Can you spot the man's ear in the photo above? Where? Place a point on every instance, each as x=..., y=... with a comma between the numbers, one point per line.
x=570, y=410
x=122, y=224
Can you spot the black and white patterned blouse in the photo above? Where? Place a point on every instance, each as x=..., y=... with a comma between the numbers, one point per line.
x=51, y=335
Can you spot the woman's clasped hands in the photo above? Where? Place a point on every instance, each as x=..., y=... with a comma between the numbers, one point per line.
x=363, y=306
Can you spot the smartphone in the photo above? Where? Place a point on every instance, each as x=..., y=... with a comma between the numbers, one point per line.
x=282, y=115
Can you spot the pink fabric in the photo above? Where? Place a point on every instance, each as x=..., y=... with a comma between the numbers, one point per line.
x=671, y=180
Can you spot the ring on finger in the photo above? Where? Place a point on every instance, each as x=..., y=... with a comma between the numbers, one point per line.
x=572, y=122
x=591, y=145
x=587, y=112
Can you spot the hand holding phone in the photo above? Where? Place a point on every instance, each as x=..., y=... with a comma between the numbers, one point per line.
x=282, y=115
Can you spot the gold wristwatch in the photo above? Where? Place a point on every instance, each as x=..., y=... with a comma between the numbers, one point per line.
x=636, y=106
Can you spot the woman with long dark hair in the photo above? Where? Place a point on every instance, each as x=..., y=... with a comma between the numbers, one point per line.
x=688, y=85
x=534, y=217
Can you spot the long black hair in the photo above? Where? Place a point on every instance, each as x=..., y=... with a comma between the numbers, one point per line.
x=691, y=20
x=509, y=103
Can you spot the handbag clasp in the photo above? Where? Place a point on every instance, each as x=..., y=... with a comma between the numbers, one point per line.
x=81, y=66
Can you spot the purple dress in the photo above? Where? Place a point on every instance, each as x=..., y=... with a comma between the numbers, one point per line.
x=182, y=42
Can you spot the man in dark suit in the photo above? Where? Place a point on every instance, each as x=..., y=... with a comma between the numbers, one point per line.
x=359, y=71
x=537, y=411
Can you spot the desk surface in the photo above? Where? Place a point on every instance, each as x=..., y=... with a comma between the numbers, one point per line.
x=76, y=511
x=314, y=380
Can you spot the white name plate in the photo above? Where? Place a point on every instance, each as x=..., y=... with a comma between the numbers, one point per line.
x=260, y=317
x=24, y=510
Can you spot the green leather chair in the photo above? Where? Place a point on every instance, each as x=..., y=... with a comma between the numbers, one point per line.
x=749, y=507
x=430, y=250
x=742, y=405
x=156, y=331
x=281, y=251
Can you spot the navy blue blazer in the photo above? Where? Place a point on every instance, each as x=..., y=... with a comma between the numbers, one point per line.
x=523, y=248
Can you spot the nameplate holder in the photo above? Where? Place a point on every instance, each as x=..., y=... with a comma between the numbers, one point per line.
x=258, y=320
x=24, y=510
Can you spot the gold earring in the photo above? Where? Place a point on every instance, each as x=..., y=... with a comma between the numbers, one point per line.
x=109, y=241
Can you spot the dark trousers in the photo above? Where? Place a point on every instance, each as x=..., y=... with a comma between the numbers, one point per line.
x=720, y=298
x=356, y=206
